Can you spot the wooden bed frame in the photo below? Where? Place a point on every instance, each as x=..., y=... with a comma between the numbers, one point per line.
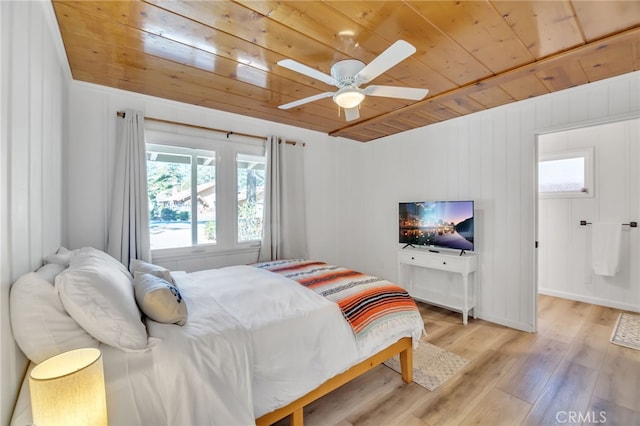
x=404, y=347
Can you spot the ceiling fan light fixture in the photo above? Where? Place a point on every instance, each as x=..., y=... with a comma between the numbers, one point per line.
x=348, y=97
x=348, y=74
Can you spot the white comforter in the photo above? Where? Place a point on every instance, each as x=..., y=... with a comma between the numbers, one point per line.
x=254, y=341
x=299, y=338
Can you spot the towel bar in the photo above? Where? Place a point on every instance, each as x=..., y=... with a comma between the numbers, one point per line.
x=630, y=224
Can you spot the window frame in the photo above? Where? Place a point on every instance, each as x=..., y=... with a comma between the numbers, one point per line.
x=587, y=154
x=226, y=152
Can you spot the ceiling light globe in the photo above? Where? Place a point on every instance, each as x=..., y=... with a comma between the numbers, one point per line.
x=348, y=98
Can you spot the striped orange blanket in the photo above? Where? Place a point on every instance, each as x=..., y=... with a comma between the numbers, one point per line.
x=368, y=303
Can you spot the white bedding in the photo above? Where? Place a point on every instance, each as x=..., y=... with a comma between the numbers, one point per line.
x=254, y=341
x=196, y=374
x=292, y=328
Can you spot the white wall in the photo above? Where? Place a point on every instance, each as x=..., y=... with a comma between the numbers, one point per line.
x=33, y=104
x=90, y=152
x=488, y=157
x=565, y=247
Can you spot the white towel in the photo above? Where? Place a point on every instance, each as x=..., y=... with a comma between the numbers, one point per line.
x=605, y=248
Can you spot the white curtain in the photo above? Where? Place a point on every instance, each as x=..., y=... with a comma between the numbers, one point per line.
x=128, y=233
x=284, y=234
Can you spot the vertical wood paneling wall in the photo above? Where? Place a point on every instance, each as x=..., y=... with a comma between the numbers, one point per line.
x=489, y=157
x=564, y=263
x=33, y=90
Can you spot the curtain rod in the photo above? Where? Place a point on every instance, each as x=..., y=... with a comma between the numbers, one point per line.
x=121, y=114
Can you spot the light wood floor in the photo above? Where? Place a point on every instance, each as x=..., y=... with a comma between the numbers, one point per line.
x=566, y=373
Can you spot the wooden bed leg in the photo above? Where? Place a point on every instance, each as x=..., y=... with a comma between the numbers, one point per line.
x=406, y=364
x=297, y=418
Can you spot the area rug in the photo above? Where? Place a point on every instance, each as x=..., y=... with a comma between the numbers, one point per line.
x=627, y=331
x=432, y=366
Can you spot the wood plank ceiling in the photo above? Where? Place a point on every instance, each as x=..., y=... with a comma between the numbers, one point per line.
x=471, y=55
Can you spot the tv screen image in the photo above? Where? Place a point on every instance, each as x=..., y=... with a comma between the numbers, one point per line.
x=446, y=224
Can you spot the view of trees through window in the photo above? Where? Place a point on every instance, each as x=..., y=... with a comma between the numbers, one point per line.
x=173, y=220
x=251, y=184
x=177, y=221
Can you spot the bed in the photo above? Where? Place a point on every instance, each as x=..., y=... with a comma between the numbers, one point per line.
x=257, y=342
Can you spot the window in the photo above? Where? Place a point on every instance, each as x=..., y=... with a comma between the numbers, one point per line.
x=175, y=219
x=566, y=174
x=204, y=193
x=251, y=185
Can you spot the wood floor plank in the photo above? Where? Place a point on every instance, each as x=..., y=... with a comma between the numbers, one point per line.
x=498, y=408
x=341, y=404
x=590, y=345
x=529, y=376
x=397, y=404
x=457, y=397
x=568, y=390
x=561, y=319
x=603, y=315
x=619, y=378
x=449, y=335
x=611, y=414
x=477, y=342
x=515, y=343
x=408, y=420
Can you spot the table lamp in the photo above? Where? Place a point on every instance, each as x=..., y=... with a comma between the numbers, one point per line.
x=68, y=389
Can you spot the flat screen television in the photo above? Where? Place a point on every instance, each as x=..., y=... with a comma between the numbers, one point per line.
x=443, y=224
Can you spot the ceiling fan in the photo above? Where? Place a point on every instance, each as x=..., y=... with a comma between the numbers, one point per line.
x=347, y=75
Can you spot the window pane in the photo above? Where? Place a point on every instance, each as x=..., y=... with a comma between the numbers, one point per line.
x=566, y=175
x=207, y=199
x=169, y=190
x=251, y=179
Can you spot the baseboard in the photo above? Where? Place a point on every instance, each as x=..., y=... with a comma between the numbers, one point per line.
x=592, y=300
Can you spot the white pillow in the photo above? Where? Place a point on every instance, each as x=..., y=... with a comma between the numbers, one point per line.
x=50, y=271
x=159, y=299
x=61, y=257
x=41, y=326
x=140, y=267
x=93, y=252
x=99, y=296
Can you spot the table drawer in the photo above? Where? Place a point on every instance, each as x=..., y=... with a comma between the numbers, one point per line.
x=444, y=262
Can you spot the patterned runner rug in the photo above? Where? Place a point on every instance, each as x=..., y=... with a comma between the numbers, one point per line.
x=432, y=366
x=626, y=332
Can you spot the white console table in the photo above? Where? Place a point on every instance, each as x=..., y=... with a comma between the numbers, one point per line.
x=445, y=261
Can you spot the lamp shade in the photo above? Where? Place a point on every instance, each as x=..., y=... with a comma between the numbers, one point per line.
x=68, y=389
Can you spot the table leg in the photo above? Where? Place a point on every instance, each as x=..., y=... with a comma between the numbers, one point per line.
x=465, y=289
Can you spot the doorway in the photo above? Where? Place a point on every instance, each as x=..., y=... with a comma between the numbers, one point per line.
x=586, y=176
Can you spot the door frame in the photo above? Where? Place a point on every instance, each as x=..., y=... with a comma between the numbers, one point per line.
x=545, y=131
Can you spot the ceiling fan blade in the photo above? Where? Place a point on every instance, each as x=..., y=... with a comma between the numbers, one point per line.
x=396, y=53
x=307, y=70
x=396, y=92
x=351, y=114
x=306, y=100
